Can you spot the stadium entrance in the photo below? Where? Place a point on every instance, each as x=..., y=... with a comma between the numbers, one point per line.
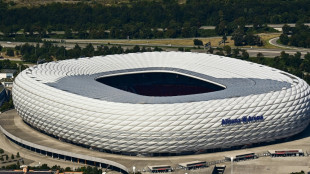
x=159, y=84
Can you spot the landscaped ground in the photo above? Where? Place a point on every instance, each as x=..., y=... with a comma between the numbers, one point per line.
x=186, y=42
x=6, y=159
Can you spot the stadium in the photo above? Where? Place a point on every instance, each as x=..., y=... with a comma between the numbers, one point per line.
x=161, y=102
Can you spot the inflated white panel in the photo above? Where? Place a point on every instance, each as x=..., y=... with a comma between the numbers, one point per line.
x=64, y=99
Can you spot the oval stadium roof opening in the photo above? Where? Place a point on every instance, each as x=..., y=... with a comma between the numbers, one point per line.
x=159, y=84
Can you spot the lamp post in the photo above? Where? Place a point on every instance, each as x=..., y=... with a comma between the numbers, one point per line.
x=232, y=165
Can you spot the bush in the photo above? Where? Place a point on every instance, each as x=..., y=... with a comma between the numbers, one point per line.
x=244, y=55
x=7, y=105
x=180, y=49
x=10, y=52
x=68, y=169
x=197, y=42
x=158, y=49
x=284, y=39
x=1, y=151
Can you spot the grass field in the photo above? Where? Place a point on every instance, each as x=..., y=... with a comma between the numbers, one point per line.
x=267, y=37
x=187, y=42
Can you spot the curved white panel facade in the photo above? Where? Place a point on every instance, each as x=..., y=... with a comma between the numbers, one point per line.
x=259, y=103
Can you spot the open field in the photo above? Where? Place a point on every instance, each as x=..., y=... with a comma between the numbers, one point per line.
x=267, y=37
x=184, y=42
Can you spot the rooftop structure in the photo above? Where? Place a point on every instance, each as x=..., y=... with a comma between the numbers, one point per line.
x=256, y=103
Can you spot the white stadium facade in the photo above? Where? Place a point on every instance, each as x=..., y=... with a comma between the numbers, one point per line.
x=162, y=102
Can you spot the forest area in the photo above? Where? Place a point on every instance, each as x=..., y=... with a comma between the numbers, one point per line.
x=149, y=19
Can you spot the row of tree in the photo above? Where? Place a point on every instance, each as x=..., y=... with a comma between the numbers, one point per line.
x=49, y=52
x=85, y=170
x=137, y=31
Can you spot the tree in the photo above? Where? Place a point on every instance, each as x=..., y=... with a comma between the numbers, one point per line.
x=307, y=56
x=286, y=29
x=220, y=53
x=187, y=50
x=257, y=23
x=240, y=22
x=237, y=36
x=1, y=47
x=136, y=49
x=1, y=151
x=12, y=156
x=224, y=38
x=186, y=30
x=221, y=28
x=6, y=157
x=88, y=50
x=68, y=33
x=171, y=33
x=260, y=58
x=197, y=42
x=244, y=55
x=68, y=169
x=306, y=63
x=211, y=50
x=10, y=52
x=227, y=50
x=157, y=49
x=17, y=155
x=284, y=39
x=235, y=53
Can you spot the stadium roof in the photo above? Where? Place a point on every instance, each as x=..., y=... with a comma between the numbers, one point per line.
x=240, y=78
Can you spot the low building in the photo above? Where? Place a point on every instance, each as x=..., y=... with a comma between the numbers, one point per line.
x=4, y=97
x=7, y=84
x=286, y=152
x=7, y=73
x=240, y=156
x=160, y=168
x=219, y=169
x=193, y=165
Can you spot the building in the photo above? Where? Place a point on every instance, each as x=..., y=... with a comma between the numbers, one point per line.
x=7, y=73
x=160, y=168
x=193, y=165
x=286, y=152
x=241, y=156
x=4, y=96
x=162, y=102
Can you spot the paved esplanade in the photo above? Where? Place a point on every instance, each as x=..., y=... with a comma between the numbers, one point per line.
x=13, y=124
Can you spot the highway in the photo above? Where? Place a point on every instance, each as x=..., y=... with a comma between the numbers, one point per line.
x=274, y=42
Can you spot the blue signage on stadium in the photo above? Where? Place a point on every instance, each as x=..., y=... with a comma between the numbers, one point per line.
x=245, y=119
